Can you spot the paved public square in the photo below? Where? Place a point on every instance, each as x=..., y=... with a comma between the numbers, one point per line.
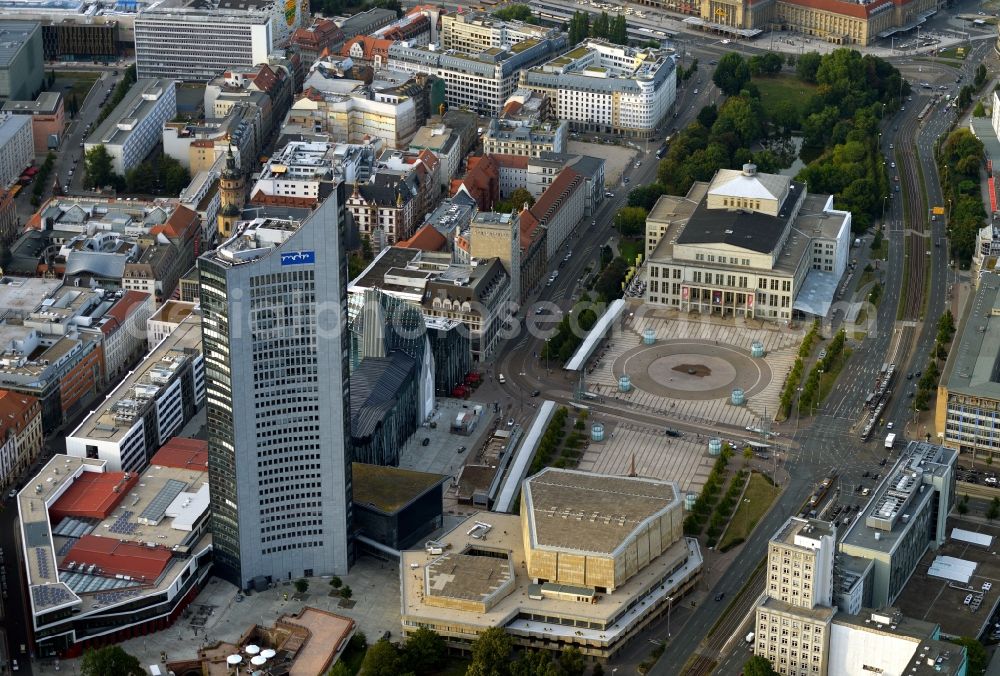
x=216, y=616
x=696, y=362
x=655, y=455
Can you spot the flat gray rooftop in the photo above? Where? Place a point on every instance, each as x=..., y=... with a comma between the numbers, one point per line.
x=581, y=511
x=972, y=363
x=13, y=34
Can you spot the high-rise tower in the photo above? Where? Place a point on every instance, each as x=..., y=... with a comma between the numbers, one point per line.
x=276, y=349
x=232, y=196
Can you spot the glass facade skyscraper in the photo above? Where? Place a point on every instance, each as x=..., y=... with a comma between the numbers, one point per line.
x=276, y=346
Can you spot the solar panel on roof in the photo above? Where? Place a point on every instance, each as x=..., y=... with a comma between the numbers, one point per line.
x=157, y=508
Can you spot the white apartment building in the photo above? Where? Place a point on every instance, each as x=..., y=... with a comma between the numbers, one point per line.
x=166, y=320
x=598, y=86
x=191, y=42
x=474, y=32
x=481, y=82
x=17, y=147
x=351, y=112
x=149, y=406
x=135, y=126
x=296, y=172
x=516, y=137
x=747, y=244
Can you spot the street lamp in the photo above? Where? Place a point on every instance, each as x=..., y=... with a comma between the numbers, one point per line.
x=670, y=605
x=746, y=518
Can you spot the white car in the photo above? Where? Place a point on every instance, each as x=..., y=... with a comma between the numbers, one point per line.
x=725, y=42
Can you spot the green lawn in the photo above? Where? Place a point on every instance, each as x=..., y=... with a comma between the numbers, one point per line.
x=761, y=494
x=629, y=248
x=779, y=88
x=954, y=53
x=74, y=82
x=882, y=252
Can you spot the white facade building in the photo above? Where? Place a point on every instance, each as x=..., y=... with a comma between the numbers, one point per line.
x=474, y=32
x=17, y=147
x=190, y=44
x=148, y=407
x=480, y=82
x=747, y=244
x=607, y=88
x=135, y=126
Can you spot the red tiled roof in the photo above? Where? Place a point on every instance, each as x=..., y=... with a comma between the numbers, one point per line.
x=13, y=407
x=92, y=495
x=511, y=108
x=369, y=46
x=511, y=161
x=182, y=224
x=183, y=453
x=481, y=181
x=846, y=8
x=115, y=557
x=528, y=225
x=428, y=158
x=265, y=79
x=426, y=238
x=553, y=195
x=120, y=311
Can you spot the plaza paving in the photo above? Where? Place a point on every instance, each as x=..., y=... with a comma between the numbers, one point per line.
x=216, y=616
x=691, y=370
x=688, y=374
x=655, y=455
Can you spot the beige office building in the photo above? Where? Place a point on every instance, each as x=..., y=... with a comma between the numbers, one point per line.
x=494, y=235
x=792, y=623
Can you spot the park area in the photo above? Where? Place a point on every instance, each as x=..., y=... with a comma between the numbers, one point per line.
x=777, y=90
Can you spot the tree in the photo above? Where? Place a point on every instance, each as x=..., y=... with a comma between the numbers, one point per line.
x=994, y=509
x=598, y=670
x=174, y=176
x=732, y=74
x=490, y=654
x=515, y=202
x=631, y=221
x=976, y=655
x=534, y=663
x=336, y=582
x=346, y=593
x=516, y=12
x=302, y=585
x=571, y=662
x=979, y=79
x=579, y=27
x=747, y=455
x=98, y=168
x=110, y=661
x=758, y=666
x=618, y=30
x=382, y=659
x=424, y=651
x=963, y=505
x=807, y=65
x=708, y=115
x=601, y=26
x=979, y=110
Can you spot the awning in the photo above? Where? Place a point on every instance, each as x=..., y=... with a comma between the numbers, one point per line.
x=816, y=295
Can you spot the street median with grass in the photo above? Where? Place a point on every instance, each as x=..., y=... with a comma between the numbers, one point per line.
x=760, y=493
